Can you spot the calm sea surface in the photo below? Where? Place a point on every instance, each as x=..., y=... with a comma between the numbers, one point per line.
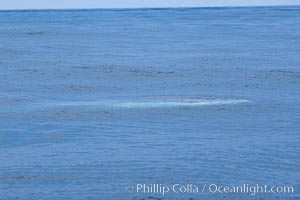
x=92, y=101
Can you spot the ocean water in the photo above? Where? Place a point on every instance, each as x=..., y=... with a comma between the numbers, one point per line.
x=92, y=101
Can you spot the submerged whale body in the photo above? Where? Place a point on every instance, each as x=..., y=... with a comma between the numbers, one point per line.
x=165, y=103
x=183, y=103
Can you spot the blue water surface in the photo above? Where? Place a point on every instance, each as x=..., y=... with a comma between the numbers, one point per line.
x=92, y=101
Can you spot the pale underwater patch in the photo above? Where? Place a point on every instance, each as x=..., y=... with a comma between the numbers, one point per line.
x=157, y=103
x=184, y=103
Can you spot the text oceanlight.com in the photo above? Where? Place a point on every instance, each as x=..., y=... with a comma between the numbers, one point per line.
x=162, y=189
